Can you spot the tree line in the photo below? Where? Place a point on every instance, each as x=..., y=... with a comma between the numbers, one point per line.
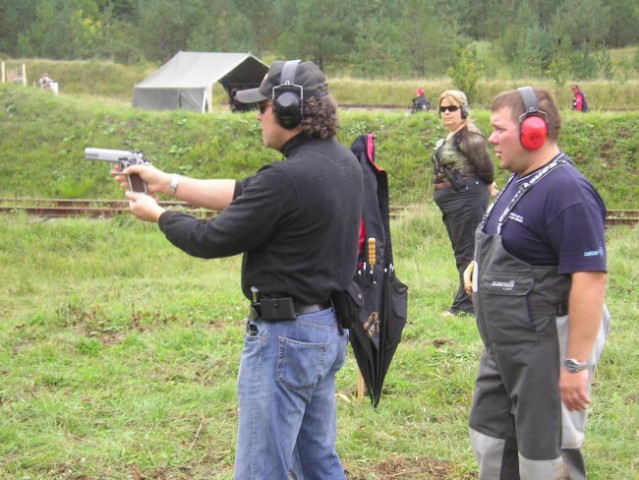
x=365, y=38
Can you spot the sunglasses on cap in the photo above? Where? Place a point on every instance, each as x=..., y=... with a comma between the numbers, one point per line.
x=450, y=108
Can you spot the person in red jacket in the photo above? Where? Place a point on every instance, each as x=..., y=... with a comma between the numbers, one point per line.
x=579, y=101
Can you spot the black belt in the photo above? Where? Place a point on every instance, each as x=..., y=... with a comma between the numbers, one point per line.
x=312, y=308
x=282, y=309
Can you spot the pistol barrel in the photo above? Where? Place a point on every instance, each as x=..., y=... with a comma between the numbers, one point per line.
x=106, y=154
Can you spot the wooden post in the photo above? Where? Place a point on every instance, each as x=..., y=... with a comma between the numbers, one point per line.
x=4, y=75
x=360, y=386
x=24, y=75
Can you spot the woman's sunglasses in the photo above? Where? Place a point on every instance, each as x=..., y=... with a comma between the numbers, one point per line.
x=450, y=108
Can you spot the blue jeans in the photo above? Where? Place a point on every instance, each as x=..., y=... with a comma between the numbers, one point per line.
x=286, y=389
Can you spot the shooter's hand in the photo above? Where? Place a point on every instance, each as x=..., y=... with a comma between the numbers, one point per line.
x=156, y=180
x=144, y=206
x=120, y=177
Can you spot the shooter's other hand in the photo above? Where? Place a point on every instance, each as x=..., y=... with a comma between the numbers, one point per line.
x=144, y=206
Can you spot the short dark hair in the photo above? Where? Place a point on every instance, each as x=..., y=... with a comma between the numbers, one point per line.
x=320, y=117
x=546, y=102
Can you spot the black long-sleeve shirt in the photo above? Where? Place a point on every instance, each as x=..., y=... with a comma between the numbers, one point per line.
x=296, y=221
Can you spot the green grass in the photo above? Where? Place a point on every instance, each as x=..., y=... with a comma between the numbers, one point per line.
x=42, y=140
x=119, y=357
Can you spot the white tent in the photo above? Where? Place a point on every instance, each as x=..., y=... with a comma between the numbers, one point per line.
x=186, y=80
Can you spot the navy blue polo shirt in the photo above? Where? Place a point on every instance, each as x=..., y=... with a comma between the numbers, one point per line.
x=560, y=221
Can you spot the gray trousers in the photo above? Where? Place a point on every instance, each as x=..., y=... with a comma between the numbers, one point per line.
x=520, y=429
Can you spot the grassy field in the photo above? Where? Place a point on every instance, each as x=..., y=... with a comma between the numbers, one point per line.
x=119, y=357
x=119, y=354
x=42, y=140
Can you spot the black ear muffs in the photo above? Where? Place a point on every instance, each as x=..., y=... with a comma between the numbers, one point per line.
x=533, y=129
x=288, y=98
x=464, y=111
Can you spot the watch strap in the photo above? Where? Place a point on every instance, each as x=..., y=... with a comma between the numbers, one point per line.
x=175, y=182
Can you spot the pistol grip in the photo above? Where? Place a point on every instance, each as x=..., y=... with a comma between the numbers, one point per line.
x=137, y=184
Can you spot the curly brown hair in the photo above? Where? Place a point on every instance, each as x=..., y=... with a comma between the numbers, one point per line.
x=320, y=117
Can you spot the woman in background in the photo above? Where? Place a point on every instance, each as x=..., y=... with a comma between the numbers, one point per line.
x=463, y=183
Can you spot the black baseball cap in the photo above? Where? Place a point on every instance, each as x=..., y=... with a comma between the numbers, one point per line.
x=307, y=75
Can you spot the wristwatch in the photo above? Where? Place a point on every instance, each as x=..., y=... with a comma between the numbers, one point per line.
x=574, y=366
x=175, y=181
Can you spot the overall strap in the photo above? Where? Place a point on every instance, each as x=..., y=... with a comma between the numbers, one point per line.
x=558, y=161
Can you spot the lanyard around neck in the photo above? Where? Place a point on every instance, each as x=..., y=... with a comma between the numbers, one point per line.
x=525, y=186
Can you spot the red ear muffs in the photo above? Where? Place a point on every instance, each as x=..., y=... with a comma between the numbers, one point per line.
x=532, y=131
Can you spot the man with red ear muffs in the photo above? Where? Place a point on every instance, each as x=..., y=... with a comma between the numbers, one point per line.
x=538, y=283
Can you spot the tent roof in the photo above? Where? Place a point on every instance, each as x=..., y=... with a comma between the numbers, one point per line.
x=201, y=69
